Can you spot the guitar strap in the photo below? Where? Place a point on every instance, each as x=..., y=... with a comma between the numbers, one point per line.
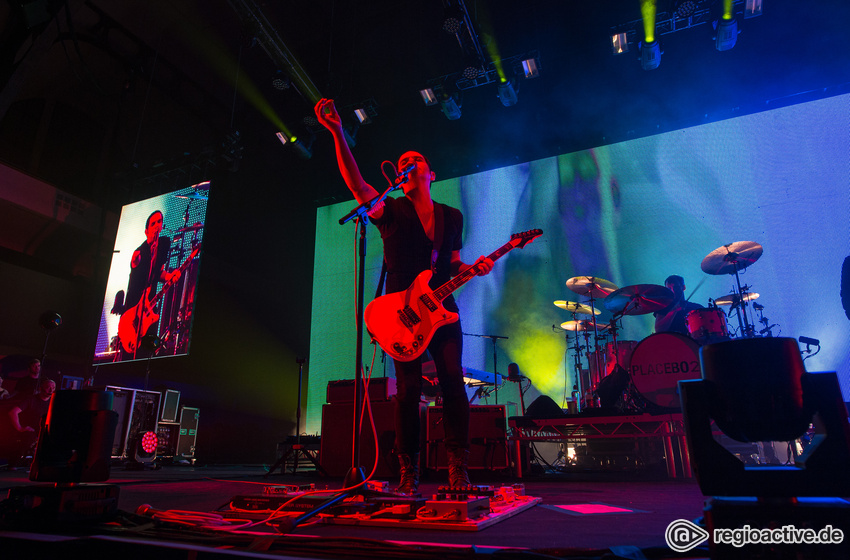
x=438, y=235
x=381, y=281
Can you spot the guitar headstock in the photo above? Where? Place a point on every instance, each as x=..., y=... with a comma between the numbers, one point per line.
x=524, y=238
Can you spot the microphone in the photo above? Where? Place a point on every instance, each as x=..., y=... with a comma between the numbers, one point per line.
x=809, y=341
x=401, y=175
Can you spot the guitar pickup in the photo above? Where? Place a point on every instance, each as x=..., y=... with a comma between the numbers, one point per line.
x=408, y=317
x=428, y=302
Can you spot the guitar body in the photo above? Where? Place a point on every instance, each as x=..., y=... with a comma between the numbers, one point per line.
x=403, y=323
x=132, y=323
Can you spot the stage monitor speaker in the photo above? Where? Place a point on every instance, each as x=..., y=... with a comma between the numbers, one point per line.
x=488, y=441
x=337, y=438
x=544, y=408
x=188, y=435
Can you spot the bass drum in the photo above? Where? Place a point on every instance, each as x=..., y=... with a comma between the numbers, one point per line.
x=659, y=362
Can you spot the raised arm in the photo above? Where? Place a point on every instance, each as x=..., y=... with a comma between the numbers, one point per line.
x=327, y=115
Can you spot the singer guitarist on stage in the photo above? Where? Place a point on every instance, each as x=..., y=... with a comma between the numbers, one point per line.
x=147, y=269
x=418, y=234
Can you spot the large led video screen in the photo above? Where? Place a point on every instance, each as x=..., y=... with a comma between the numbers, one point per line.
x=631, y=213
x=149, y=302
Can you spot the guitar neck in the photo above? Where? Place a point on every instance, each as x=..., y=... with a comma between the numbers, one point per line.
x=446, y=289
x=181, y=268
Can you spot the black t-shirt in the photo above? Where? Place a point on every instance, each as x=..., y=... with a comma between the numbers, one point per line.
x=679, y=323
x=143, y=274
x=407, y=249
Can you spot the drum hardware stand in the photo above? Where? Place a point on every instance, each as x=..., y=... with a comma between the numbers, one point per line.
x=297, y=450
x=764, y=320
x=747, y=330
x=576, y=392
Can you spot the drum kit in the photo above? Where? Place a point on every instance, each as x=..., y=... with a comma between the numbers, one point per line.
x=178, y=305
x=643, y=376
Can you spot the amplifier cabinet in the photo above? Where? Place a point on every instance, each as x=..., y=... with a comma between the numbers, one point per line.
x=337, y=438
x=488, y=440
x=342, y=391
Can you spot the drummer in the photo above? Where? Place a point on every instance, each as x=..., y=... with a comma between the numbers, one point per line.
x=672, y=317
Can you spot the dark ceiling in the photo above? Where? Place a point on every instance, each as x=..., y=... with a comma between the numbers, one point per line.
x=134, y=88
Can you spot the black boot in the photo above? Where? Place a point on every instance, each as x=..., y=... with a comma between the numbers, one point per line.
x=409, y=472
x=458, y=468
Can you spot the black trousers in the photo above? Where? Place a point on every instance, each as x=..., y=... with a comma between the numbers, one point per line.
x=446, y=348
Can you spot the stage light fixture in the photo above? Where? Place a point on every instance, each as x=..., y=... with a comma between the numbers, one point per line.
x=281, y=81
x=685, y=8
x=282, y=137
x=428, y=96
x=726, y=34
x=619, y=43
x=471, y=71
x=650, y=55
x=450, y=106
x=453, y=21
x=530, y=68
x=362, y=116
x=145, y=448
x=507, y=92
x=49, y=320
x=365, y=111
x=752, y=8
x=304, y=149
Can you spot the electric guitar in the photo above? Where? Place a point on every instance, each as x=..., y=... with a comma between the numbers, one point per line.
x=403, y=323
x=141, y=316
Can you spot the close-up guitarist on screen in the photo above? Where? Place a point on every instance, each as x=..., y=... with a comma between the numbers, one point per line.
x=147, y=270
x=418, y=235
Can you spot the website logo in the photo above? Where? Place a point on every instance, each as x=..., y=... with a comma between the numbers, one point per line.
x=683, y=535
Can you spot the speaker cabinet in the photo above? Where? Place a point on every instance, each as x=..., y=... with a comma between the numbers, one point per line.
x=337, y=438
x=488, y=440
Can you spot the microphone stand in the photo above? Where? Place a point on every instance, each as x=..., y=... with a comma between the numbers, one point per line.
x=355, y=477
x=495, y=338
x=355, y=474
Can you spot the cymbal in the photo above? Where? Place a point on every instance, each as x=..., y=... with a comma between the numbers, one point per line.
x=729, y=258
x=583, y=325
x=591, y=285
x=735, y=299
x=576, y=307
x=193, y=227
x=639, y=299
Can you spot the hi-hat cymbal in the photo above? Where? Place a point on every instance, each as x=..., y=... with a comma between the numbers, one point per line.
x=639, y=299
x=576, y=307
x=583, y=325
x=735, y=299
x=729, y=258
x=591, y=285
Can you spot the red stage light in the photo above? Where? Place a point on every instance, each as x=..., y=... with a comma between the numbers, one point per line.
x=149, y=442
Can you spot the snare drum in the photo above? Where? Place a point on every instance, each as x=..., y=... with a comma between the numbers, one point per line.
x=659, y=362
x=707, y=325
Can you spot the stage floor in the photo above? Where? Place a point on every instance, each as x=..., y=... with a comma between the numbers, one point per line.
x=629, y=512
